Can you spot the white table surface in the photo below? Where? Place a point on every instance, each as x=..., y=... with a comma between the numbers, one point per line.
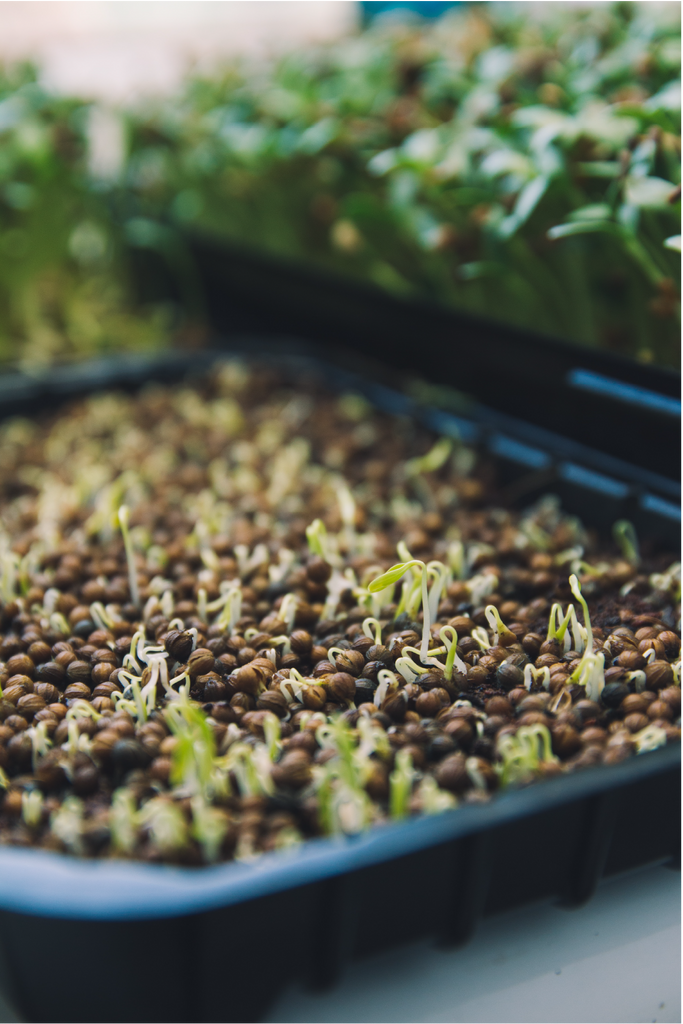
x=616, y=959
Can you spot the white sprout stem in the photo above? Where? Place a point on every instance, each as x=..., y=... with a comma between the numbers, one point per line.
x=130, y=556
x=576, y=591
x=372, y=629
x=426, y=617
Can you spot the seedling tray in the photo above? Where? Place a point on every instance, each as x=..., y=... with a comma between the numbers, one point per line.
x=113, y=941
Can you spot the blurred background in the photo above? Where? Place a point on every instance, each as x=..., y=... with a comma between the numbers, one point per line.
x=518, y=161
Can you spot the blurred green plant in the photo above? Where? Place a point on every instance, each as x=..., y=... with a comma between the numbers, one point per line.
x=522, y=164
x=64, y=290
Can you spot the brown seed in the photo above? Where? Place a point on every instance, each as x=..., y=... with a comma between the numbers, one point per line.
x=652, y=645
x=12, y=804
x=659, y=675
x=451, y=774
x=517, y=695
x=588, y=710
x=178, y=643
x=671, y=641
x=75, y=690
x=86, y=780
x=106, y=689
x=534, y=702
x=30, y=703
x=301, y=642
x=534, y=718
x=565, y=740
x=79, y=672
x=17, y=723
x=499, y=706
x=47, y=691
x=314, y=697
x=64, y=658
x=631, y=660
x=20, y=751
x=377, y=784
x=293, y=771
x=100, y=673
x=395, y=706
x=318, y=570
x=200, y=662
x=273, y=700
x=672, y=695
x=20, y=665
x=160, y=769
x=635, y=702
x=428, y=704
x=39, y=652
x=635, y=722
x=342, y=686
x=213, y=688
x=660, y=709
x=11, y=694
x=247, y=679
x=460, y=731
x=352, y=662
x=593, y=735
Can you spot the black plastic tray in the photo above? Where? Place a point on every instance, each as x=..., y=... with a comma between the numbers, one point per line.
x=108, y=941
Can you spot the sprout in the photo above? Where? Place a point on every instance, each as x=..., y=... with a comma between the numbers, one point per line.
x=372, y=629
x=649, y=738
x=474, y=774
x=130, y=556
x=432, y=799
x=40, y=741
x=192, y=759
x=500, y=630
x=576, y=591
x=522, y=753
x=8, y=578
x=231, y=603
x=166, y=824
x=123, y=821
x=441, y=574
x=638, y=678
x=668, y=581
x=392, y=576
x=532, y=675
x=202, y=602
x=481, y=586
x=625, y=535
x=401, y=783
x=386, y=678
x=32, y=807
x=288, y=611
x=432, y=461
x=449, y=638
x=286, y=559
x=271, y=730
x=209, y=826
x=455, y=558
x=320, y=543
x=67, y=824
x=101, y=617
x=480, y=636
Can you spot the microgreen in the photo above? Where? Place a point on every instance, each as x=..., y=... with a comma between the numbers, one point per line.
x=67, y=824
x=123, y=821
x=123, y=517
x=392, y=576
x=32, y=807
x=522, y=753
x=400, y=784
x=166, y=824
x=625, y=536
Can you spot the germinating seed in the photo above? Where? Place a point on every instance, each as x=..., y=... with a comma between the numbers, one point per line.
x=242, y=613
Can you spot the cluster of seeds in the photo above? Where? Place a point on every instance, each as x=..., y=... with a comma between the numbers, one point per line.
x=206, y=651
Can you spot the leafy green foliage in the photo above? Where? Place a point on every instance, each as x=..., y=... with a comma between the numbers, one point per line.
x=520, y=165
